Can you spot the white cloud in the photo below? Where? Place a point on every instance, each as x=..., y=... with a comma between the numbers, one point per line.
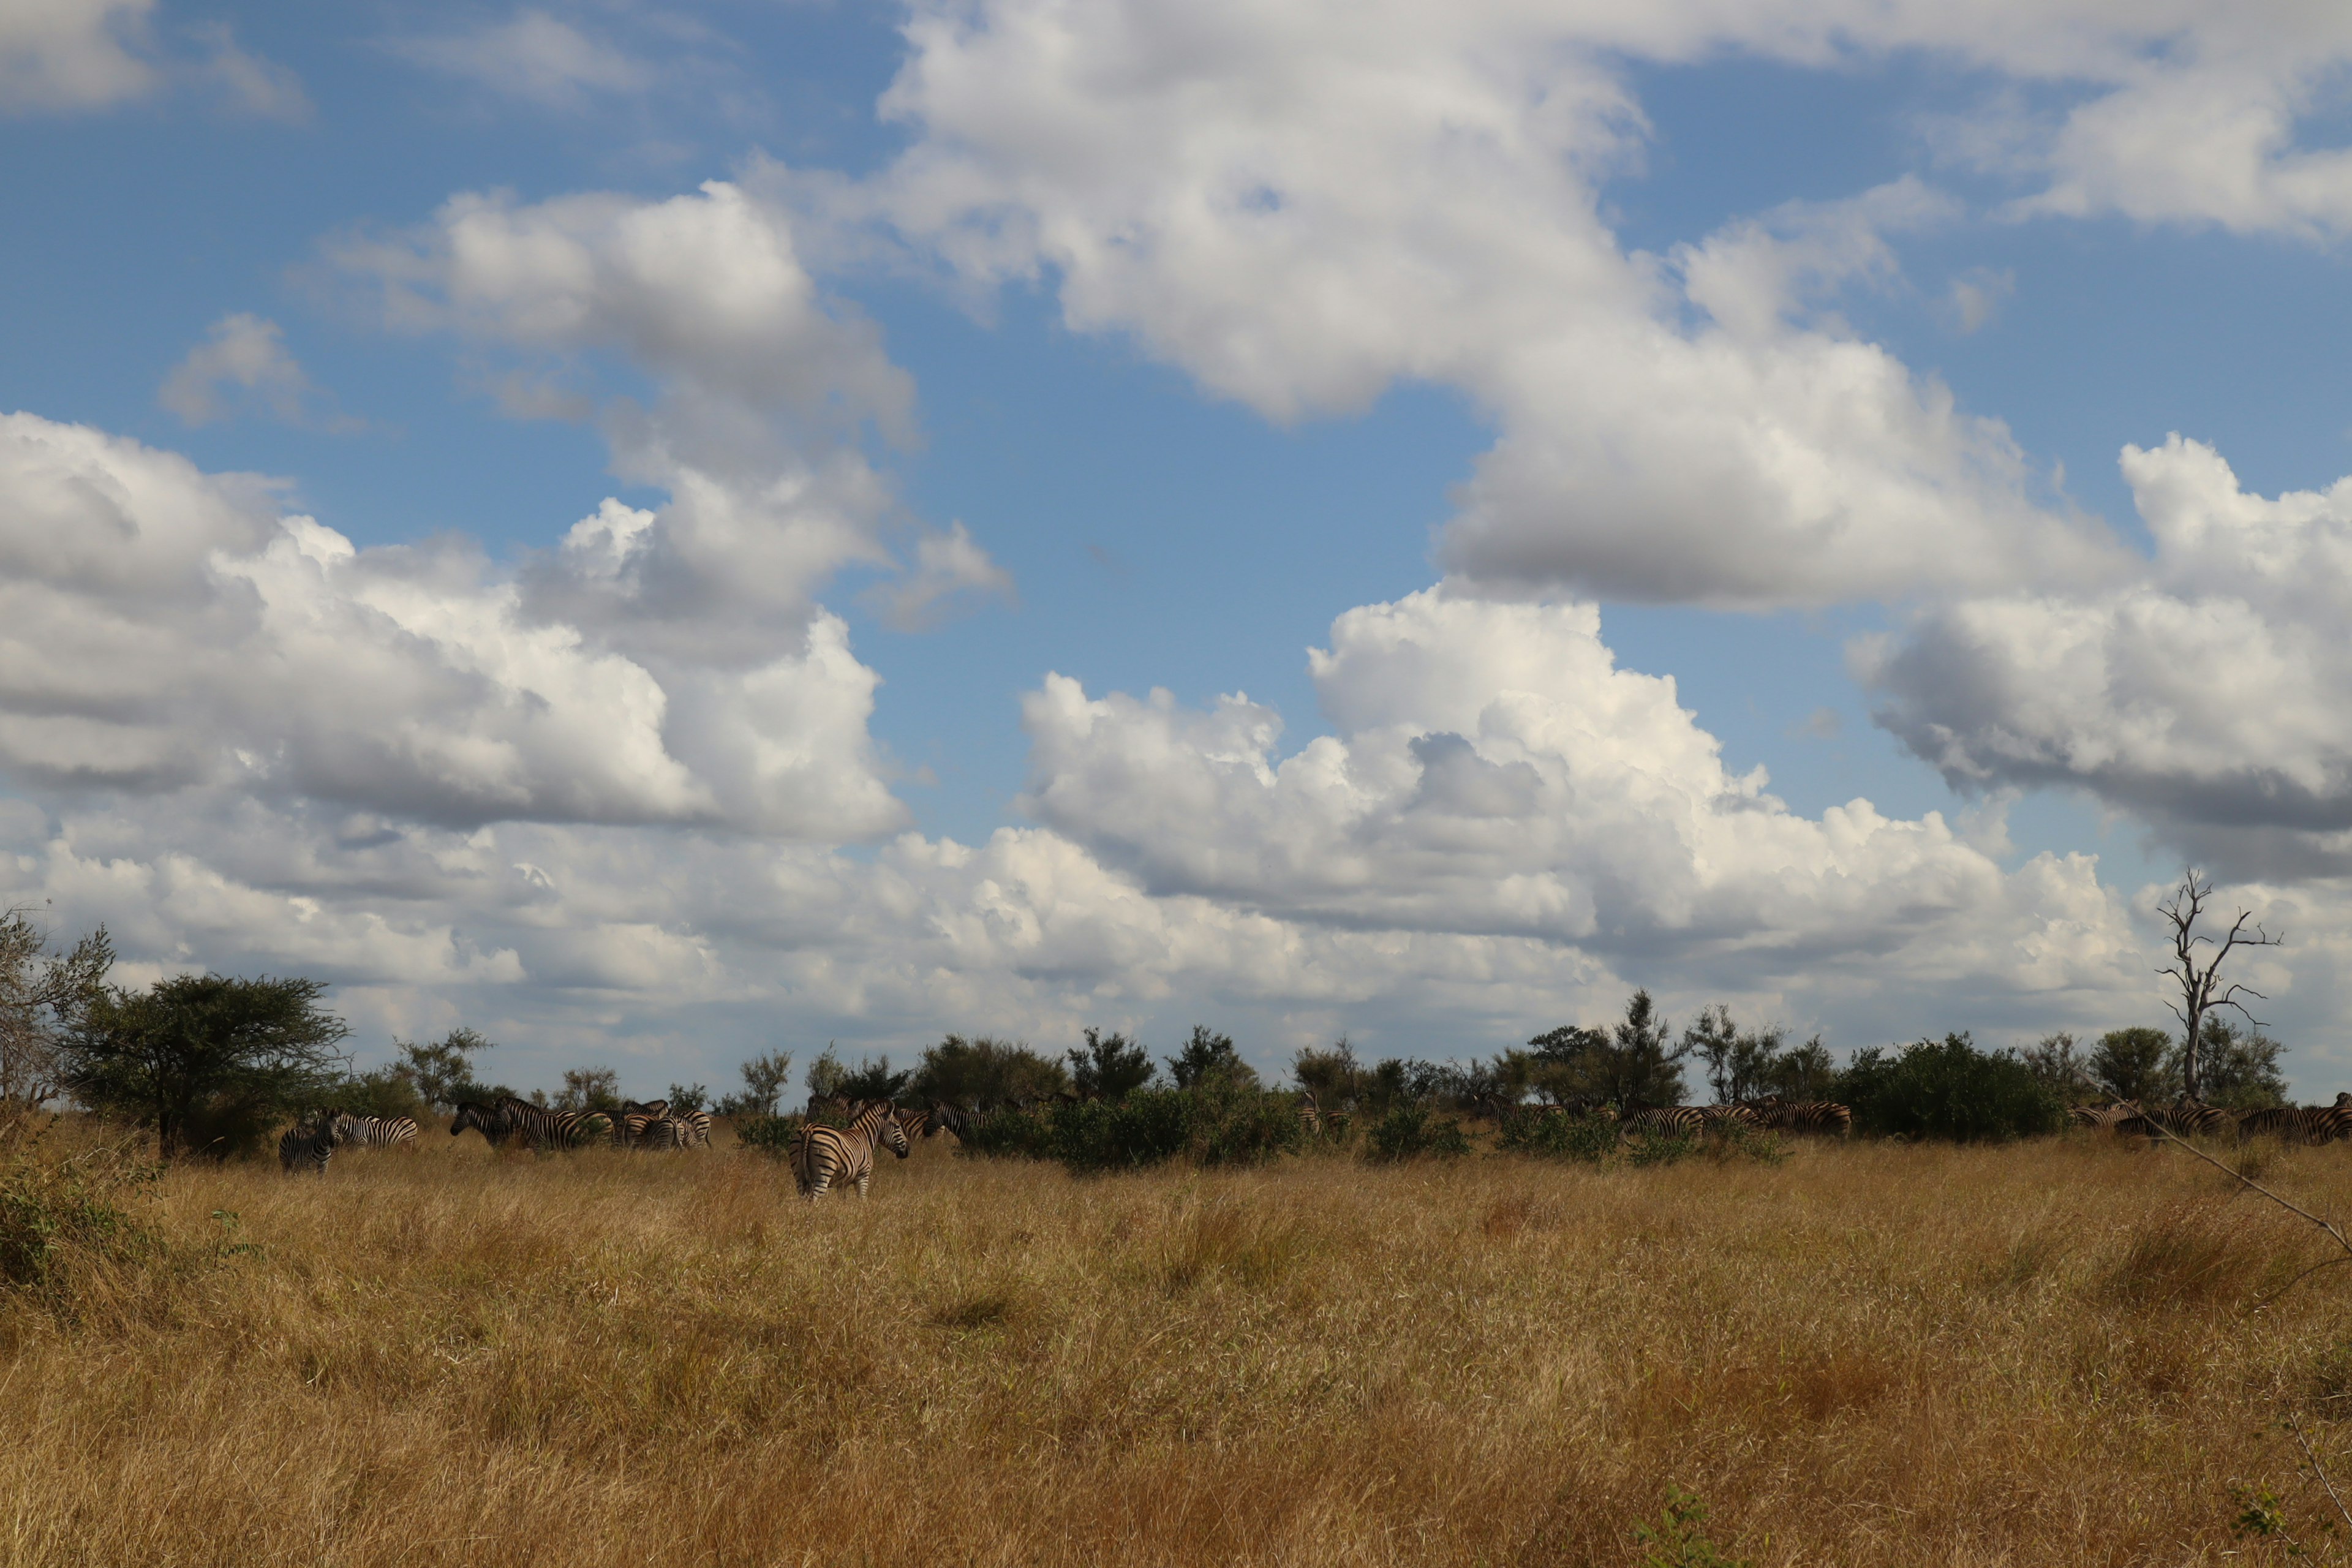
x=71, y=54
x=2213, y=697
x=950, y=570
x=1302, y=205
x=535, y=57
x=241, y=351
x=164, y=629
x=1977, y=297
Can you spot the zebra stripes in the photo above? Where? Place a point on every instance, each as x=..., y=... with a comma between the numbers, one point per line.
x=310, y=1141
x=1825, y=1117
x=1664, y=1121
x=2311, y=1124
x=2188, y=1119
x=824, y=1157
x=537, y=1125
x=371, y=1132
x=2103, y=1118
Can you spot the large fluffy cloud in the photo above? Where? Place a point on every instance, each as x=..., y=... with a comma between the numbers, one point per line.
x=2214, y=697
x=163, y=630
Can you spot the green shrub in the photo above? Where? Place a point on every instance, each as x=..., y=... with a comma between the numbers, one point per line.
x=55, y=1213
x=1221, y=1122
x=1949, y=1088
x=1531, y=1131
x=1410, y=1130
x=771, y=1135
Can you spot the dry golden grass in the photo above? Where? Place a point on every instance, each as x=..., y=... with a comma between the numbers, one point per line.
x=1869, y=1355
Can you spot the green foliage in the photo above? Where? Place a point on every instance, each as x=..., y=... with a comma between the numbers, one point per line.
x=589, y=1088
x=2239, y=1070
x=1331, y=1076
x=1741, y=1063
x=203, y=1055
x=764, y=1078
x=42, y=999
x=1110, y=1066
x=1949, y=1088
x=1209, y=1057
x=54, y=1213
x=1679, y=1539
x=986, y=1072
x=1633, y=1063
x=874, y=1081
x=2058, y=1065
x=1529, y=1130
x=770, y=1135
x=2134, y=1064
x=686, y=1098
x=1408, y=1130
x=826, y=1075
x=443, y=1072
x=380, y=1092
x=1218, y=1123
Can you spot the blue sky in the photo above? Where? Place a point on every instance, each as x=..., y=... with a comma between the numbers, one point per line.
x=1186, y=422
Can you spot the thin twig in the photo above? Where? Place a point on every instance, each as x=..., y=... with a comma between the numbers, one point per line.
x=2319, y=1469
x=2327, y=1225
x=2323, y=1263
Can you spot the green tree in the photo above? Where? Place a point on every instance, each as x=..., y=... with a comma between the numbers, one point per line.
x=1742, y=1064
x=1949, y=1088
x=443, y=1072
x=874, y=1081
x=1632, y=1064
x=826, y=1075
x=1331, y=1076
x=765, y=1077
x=1209, y=1057
x=981, y=1074
x=687, y=1098
x=589, y=1088
x=2060, y=1066
x=203, y=1044
x=2240, y=1067
x=43, y=998
x=1806, y=1072
x=1111, y=1067
x=2133, y=1064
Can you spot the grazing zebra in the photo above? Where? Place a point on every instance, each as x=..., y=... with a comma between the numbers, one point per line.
x=1821, y=1116
x=544, y=1129
x=823, y=1156
x=1716, y=1117
x=372, y=1131
x=2103, y=1118
x=310, y=1142
x=1664, y=1122
x=636, y=1117
x=1310, y=1116
x=2312, y=1124
x=682, y=1130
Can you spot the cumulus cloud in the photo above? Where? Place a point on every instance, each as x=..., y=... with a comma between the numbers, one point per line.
x=2213, y=697
x=1495, y=774
x=165, y=629
x=1301, y=224
x=247, y=353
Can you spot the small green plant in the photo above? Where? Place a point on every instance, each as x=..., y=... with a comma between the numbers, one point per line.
x=1410, y=1130
x=56, y=1213
x=1679, y=1539
x=2262, y=1516
x=771, y=1135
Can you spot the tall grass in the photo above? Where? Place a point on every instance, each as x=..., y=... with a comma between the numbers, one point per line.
x=1864, y=1354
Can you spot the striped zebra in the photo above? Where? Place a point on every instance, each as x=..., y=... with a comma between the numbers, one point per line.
x=1718, y=1117
x=489, y=1120
x=310, y=1142
x=1664, y=1121
x=2311, y=1124
x=635, y=1117
x=2103, y=1118
x=371, y=1132
x=544, y=1129
x=2187, y=1119
x=1823, y=1116
x=913, y=1123
x=681, y=1130
x=1310, y=1115
x=1335, y=1124
x=825, y=1156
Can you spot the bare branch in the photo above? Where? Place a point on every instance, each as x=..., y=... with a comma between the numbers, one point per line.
x=2318, y=1469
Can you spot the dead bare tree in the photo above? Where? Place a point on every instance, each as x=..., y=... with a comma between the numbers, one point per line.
x=2202, y=990
x=42, y=995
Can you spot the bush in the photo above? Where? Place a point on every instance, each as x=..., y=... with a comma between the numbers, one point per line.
x=1220, y=1123
x=771, y=1135
x=1949, y=1088
x=1410, y=1130
x=1529, y=1130
x=55, y=1213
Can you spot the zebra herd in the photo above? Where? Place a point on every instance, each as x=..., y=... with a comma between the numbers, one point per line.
x=2307, y=1124
x=1770, y=1113
x=314, y=1139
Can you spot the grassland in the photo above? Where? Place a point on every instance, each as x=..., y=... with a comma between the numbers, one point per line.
x=1866, y=1354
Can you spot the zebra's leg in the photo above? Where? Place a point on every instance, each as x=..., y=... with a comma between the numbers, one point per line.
x=862, y=1180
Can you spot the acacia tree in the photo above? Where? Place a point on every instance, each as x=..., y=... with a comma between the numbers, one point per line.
x=201, y=1044
x=2202, y=987
x=43, y=998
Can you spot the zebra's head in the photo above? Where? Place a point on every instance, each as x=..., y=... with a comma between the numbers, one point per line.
x=894, y=1132
x=491, y=1124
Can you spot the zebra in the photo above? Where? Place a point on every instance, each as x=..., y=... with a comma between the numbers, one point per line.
x=1664, y=1121
x=489, y=1120
x=2312, y=1124
x=310, y=1142
x=543, y=1128
x=371, y=1132
x=1717, y=1117
x=913, y=1123
x=2186, y=1118
x=2103, y=1118
x=1823, y=1116
x=824, y=1155
x=680, y=1130
x=636, y=1117
x=1310, y=1116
